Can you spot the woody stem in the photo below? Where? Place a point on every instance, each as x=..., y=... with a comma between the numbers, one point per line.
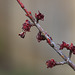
x=70, y=54
x=61, y=63
x=52, y=44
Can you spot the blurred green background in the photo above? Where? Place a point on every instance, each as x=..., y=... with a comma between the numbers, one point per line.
x=27, y=56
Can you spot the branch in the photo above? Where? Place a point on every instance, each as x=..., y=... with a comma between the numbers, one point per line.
x=46, y=36
x=61, y=63
x=70, y=54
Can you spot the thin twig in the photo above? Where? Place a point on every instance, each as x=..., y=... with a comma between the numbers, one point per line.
x=61, y=63
x=70, y=54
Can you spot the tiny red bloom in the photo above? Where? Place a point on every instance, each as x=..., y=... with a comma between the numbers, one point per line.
x=26, y=26
x=64, y=45
x=40, y=37
x=22, y=34
x=72, y=48
x=29, y=12
x=68, y=47
x=39, y=16
x=50, y=63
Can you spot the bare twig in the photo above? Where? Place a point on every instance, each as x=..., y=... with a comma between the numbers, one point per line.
x=70, y=54
x=61, y=63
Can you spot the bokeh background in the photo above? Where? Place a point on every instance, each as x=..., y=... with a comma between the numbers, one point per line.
x=26, y=56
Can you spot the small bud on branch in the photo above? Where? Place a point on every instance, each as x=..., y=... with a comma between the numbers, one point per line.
x=39, y=16
x=22, y=34
x=50, y=63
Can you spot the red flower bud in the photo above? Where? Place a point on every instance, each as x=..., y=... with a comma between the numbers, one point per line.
x=40, y=37
x=26, y=26
x=64, y=45
x=50, y=63
x=29, y=12
x=22, y=34
x=67, y=46
x=22, y=5
x=39, y=16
